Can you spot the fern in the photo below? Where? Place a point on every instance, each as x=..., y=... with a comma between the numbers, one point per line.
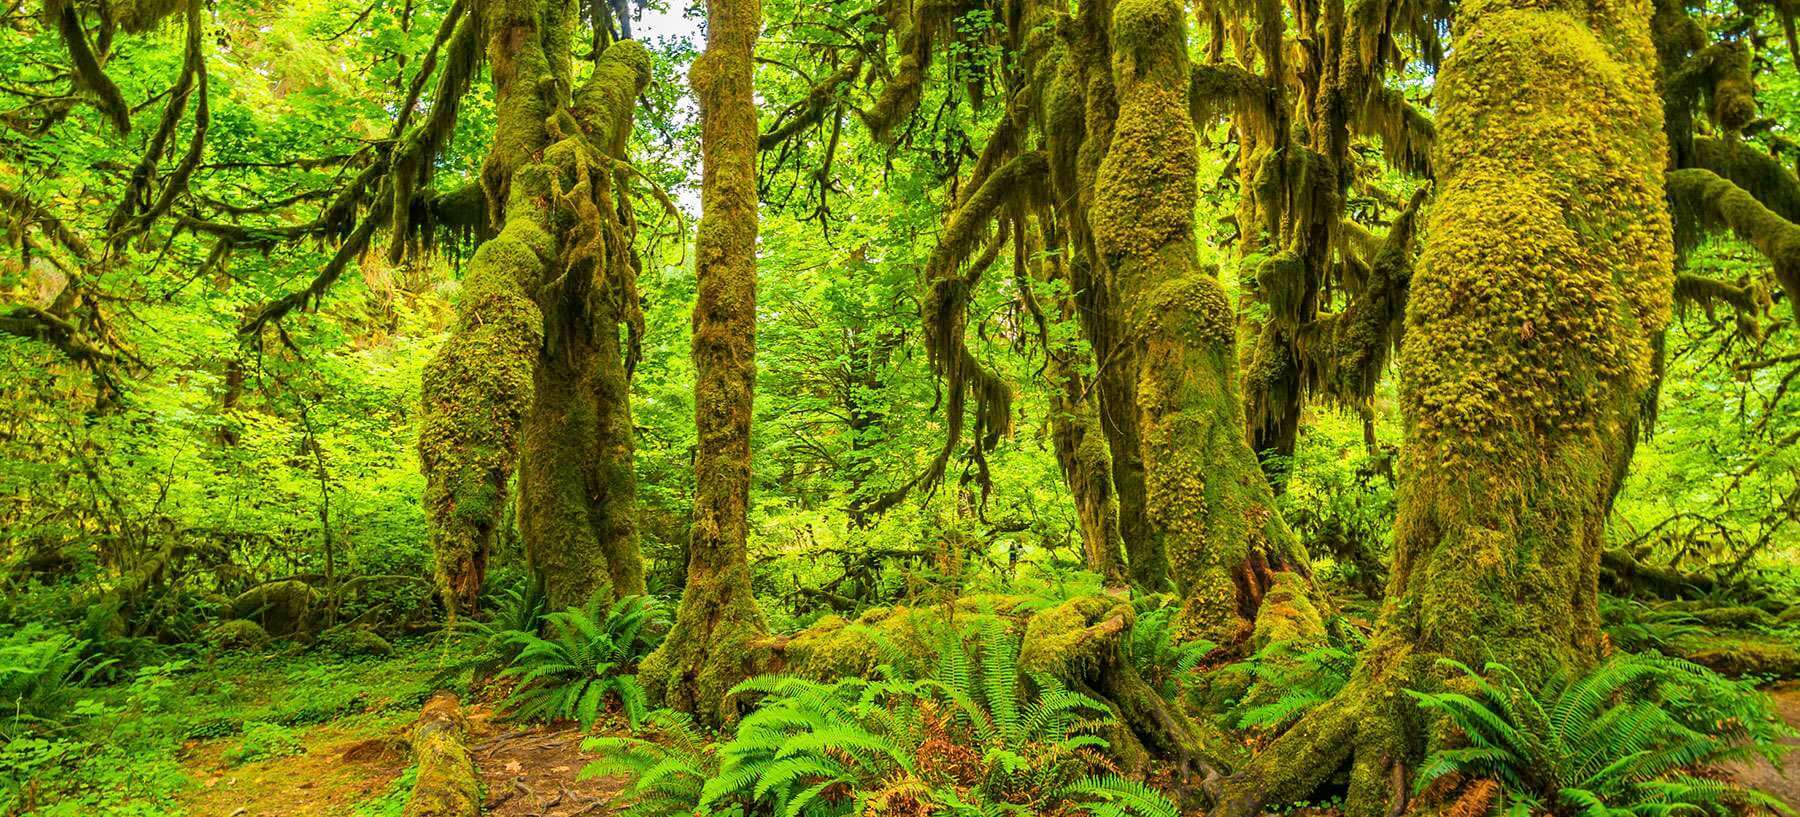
x=1634, y=626
x=585, y=662
x=40, y=671
x=1159, y=656
x=1305, y=678
x=978, y=737
x=1606, y=744
x=667, y=763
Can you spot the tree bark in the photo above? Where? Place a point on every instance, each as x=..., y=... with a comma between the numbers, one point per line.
x=717, y=637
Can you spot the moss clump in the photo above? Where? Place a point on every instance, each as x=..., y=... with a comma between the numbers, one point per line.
x=1732, y=617
x=237, y=634
x=283, y=608
x=1288, y=614
x=1075, y=637
x=354, y=642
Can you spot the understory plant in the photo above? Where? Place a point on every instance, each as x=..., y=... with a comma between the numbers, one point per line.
x=40, y=672
x=1629, y=737
x=1160, y=656
x=978, y=737
x=1300, y=676
x=589, y=656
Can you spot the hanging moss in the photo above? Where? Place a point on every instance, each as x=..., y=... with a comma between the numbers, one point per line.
x=1703, y=198
x=139, y=16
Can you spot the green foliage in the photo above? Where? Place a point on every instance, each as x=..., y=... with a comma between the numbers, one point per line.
x=1635, y=626
x=976, y=737
x=1623, y=739
x=1160, y=658
x=262, y=740
x=591, y=650
x=1304, y=676
x=40, y=673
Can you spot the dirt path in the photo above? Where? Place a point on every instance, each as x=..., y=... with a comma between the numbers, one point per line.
x=533, y=771
x=1781, y=782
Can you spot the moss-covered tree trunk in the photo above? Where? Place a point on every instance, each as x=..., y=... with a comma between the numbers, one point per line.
x=533, y=365
x=718, y=633
x=1547, y=269
x=1205, y=494
x=1076, y=82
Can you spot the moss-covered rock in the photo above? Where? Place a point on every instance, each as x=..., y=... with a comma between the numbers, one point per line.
x=283, y=608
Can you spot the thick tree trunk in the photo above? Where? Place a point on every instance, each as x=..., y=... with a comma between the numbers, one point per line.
x=577, y=489
x=716, y=639
x=538, y=366
x=1524, y=361
x=1079, y=114
x=1205, y=493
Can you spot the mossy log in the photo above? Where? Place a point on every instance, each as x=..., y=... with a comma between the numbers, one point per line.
x=447, y=783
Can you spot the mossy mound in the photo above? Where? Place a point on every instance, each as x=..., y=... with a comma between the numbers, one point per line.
x=237, y=634
x=282, y=608
x=1734, y=617
x=1287, y=614
x=836, y=647
x=355, y=641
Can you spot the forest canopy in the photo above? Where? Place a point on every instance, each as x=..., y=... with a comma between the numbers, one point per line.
x=900, y=407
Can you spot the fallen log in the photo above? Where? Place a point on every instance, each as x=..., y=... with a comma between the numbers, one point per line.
x=447, y=784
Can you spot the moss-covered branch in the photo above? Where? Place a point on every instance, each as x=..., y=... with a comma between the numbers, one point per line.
x=1705, y=198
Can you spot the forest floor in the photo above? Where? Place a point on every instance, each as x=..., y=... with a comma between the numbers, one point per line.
x=354, y=761
x=357, y=768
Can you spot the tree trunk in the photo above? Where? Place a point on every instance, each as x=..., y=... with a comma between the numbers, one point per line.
x=1205, y=493
x=715, y=642
x=577, y=490
x=534, y=361
x=1524, y=361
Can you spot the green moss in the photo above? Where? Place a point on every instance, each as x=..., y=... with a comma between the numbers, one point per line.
x=355, y=641
x=1732, y=617
x=1075, y=637
x=1744, y=654
x=1288, y=614
x=237, y=634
